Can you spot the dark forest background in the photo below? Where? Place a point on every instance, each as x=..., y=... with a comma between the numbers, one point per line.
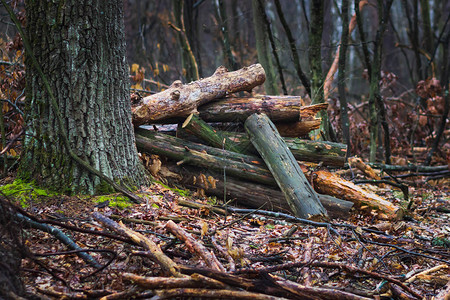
x=414, y=58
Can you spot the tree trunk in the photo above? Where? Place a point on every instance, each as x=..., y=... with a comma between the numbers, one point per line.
x=301, y=75
x=80, y=47
x=262, y=46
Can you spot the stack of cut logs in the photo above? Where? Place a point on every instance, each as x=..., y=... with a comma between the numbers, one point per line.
x=264, y=166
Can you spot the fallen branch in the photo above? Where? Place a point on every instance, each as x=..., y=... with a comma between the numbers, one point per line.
x=347, y=268
x=195, y=247
x=159, y=257
x=194, y=281
x=213, y=294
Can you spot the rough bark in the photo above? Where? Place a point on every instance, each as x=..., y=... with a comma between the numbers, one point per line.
x=300, y=196
x=80, y=47
x=182, y=100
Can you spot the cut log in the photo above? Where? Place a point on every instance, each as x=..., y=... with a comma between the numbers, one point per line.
x=277, y=108
x=327, y=153
x=256, y=171
x=162, y=141
x=236, y=109
x=251, y=168
x=331, y=184
x=182, y=100
x=298, y=129
x=300, y=196
x=245, y=193
x=199, y=128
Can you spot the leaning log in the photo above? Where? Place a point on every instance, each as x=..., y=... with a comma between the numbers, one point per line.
x=245, y=193
x=300, y=196
x=199, y=128
x=182, y=100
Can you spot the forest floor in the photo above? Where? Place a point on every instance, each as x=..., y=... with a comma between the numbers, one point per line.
x=362, y=255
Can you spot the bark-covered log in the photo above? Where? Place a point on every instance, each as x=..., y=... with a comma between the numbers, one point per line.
x=299, y=194
x=199, y=128
x=328, y=153
x=277, y=108
x=245, y=193
x=255, y=171
x=182, y=100
x=168, y=140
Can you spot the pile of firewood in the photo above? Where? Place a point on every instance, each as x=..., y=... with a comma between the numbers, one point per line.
x=264, y=166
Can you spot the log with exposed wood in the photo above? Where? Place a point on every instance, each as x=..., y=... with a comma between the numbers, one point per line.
x=331, y=184
x=301, y=197
x=245, y=193
x=277, y=108
x=280, y=109
x=182, y=100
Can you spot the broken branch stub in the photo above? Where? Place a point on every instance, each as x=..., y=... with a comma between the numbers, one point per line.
x=182, y=100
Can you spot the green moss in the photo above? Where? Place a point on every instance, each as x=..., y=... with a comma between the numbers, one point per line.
x=114, y=200
x=441, y=242
x=181, y=192
x=23, y=191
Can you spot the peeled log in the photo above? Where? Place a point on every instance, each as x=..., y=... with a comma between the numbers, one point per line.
x=181, y=100
x=331, y=184
x=298, y=129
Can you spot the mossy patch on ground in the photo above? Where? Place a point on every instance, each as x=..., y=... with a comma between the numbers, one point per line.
x=23, y=192
x=114, y=200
